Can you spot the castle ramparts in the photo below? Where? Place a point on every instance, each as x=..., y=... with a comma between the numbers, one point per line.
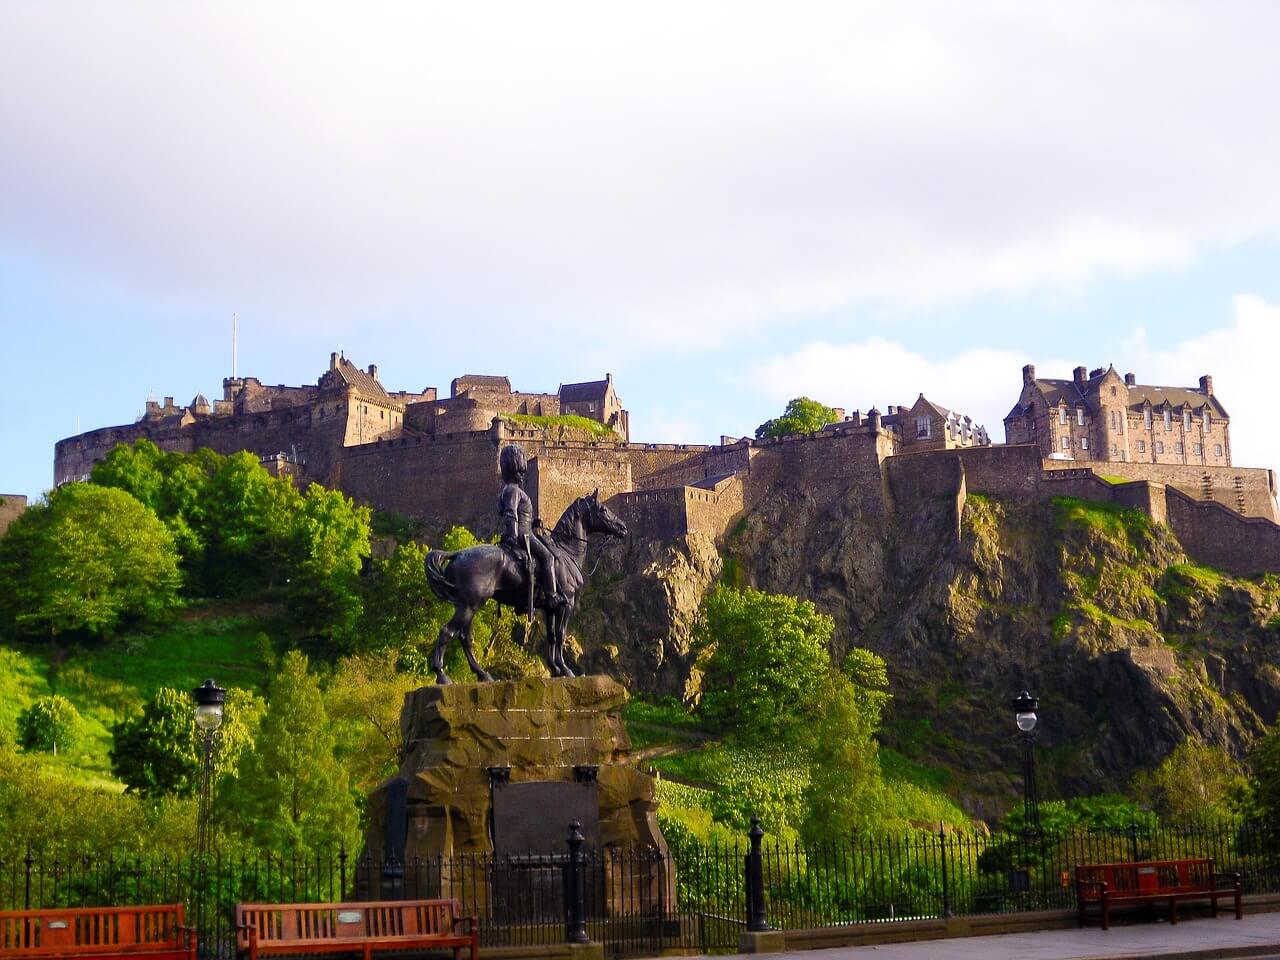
x=437, y=459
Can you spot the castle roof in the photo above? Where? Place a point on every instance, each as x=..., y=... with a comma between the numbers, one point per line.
x=1068, y=392
x=351, y=375
x=468, y=380
x=583, y=392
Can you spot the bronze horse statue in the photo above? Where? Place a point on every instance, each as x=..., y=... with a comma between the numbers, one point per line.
x=467, y=578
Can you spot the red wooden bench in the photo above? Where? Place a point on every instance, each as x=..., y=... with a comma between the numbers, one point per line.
x=264, y=929
x=100, y=933
x=1153, y=881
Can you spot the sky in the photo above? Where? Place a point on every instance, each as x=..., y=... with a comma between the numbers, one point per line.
x=725, y=205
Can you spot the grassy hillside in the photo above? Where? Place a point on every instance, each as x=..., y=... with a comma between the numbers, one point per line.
x=109, y=681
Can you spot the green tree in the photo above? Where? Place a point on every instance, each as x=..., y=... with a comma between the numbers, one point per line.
x=1262, y=799
x=160, y=751
x=398, y=607
x=332, y=541
x=251, y=523
x=801, y=416
x=292, y=793
x=87, y=558
x=845, y=789
x=51, y=723
x=766, y=661
x=364, y=699
x=1193, y=782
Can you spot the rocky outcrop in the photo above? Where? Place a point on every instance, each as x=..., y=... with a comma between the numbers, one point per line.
x=1130, y=648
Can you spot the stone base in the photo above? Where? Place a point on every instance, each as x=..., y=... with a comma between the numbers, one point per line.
x=763, y=941
x=586, y=951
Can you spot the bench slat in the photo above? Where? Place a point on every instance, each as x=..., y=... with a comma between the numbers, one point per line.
x=271, y=929
x=1151, y=881
x=142, y=931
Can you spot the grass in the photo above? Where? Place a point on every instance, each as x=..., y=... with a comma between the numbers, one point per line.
x=1111, y=519
x=109, y=681
x=900, y=768
x=568, y=421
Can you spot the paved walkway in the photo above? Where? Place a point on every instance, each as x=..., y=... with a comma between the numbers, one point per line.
x=1257, y=935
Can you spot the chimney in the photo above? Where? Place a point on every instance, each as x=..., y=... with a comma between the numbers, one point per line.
x=608, y=378
x=1081, y=375
x=1130, y=380
x=856, y=418
x=168, y=401
x=373, y=370
x=1206, y=385
x=1029, y=373
x=333, y=361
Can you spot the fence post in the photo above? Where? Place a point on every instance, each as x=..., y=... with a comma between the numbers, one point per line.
x=26, y=897
x=757, y=922
x=1133, y=840
x=942, y=853
x=342, y=869
x=575, y=925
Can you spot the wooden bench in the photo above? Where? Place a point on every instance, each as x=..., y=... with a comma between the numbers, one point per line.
x=155, y=932
x=264, y=929
x=1153, y=881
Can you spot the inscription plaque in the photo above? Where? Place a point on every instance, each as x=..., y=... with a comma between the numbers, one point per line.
x=533, y=817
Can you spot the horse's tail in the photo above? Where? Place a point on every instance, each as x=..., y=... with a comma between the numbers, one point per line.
x=437, y=564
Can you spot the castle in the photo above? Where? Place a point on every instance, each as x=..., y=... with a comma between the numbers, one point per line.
x=1164, y=450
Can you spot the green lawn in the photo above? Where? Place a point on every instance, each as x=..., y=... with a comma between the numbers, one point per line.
x=109, y=681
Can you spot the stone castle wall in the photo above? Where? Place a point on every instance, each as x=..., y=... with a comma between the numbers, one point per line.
x=11, y=505
x=1217, y=536
x=1247, y=490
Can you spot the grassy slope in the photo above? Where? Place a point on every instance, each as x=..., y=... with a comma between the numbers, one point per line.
x=109, y=682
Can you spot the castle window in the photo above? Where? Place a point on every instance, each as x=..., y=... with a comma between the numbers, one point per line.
x=1142, y=446
x=1146, y=418
x=1168, y=419
x=1186, y=421
x=1066, y=443
x=924, y=428
x=1062, y=416
x=1159, y=446
x=1116, y=423
x=1084, y=443
x=1115, y=450
x=1217, y=449
x=382, y=415
x=1198, y=448
x=1177, y=448
x=1208, y=421
x=1113, y=391
x=1080, y=416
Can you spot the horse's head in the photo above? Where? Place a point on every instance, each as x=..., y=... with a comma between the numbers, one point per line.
x=597, y=518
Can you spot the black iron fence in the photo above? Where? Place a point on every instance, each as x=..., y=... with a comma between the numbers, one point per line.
x=643, y=901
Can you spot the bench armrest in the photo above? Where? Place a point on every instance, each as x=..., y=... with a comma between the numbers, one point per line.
x=1233, y=877
x=1100, y=884
x=469, y=921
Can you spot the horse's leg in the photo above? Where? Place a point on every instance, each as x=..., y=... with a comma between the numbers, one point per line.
x=461, y=623
x=562, y=624
x=437, y=655
x=549, y=618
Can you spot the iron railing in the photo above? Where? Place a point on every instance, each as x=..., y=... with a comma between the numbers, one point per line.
x=645, y=901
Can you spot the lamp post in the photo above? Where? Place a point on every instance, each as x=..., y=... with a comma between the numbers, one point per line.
x=209, y=699
x=1024, y=711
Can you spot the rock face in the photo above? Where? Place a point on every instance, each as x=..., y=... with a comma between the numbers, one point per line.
x=541, y=729
x=1130, y=648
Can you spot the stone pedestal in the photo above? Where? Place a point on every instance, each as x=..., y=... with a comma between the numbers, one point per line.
x=457, y=741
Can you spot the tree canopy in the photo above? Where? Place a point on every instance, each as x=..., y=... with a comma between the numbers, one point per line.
x=87, y=558
x=51, y=723
x=801, y=416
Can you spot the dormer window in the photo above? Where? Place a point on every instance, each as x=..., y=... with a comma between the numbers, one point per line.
x=1146, y=417
x=924, y=428
x=1168, y=419
x=1186, y=420
x=1062, y=416
x=1080, y=416
x=1208, y=421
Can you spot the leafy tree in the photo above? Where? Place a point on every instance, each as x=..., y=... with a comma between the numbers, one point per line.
x=160, y=751
x=51, y=723
x=398, y=607
x=766, y=661
x=332, y=541
x=87, y=558
x=844, y=790
x=364, y=699
x=1193, y=782
x=1263, y=795
x=292, y=793
x=251, y=525
x=801, y=416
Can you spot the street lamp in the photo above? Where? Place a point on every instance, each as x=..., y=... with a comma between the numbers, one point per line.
x=1024, y=712
x=209, y=699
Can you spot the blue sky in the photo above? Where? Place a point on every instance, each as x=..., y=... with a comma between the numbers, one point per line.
x=724, y=205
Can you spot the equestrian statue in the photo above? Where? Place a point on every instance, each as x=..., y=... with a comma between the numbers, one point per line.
x=529, y=569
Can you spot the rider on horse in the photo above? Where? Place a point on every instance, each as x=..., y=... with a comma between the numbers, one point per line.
x=516, y=510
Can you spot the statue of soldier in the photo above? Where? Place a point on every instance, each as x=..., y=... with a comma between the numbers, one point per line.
x=516, y=510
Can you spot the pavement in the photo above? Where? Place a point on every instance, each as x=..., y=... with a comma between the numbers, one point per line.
x=1257, y=935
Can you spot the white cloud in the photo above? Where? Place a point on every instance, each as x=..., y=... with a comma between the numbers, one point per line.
x=681, y=171
x=1241, y=360
x=985, y=383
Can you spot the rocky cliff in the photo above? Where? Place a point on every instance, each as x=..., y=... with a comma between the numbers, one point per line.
x=1130, y=648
